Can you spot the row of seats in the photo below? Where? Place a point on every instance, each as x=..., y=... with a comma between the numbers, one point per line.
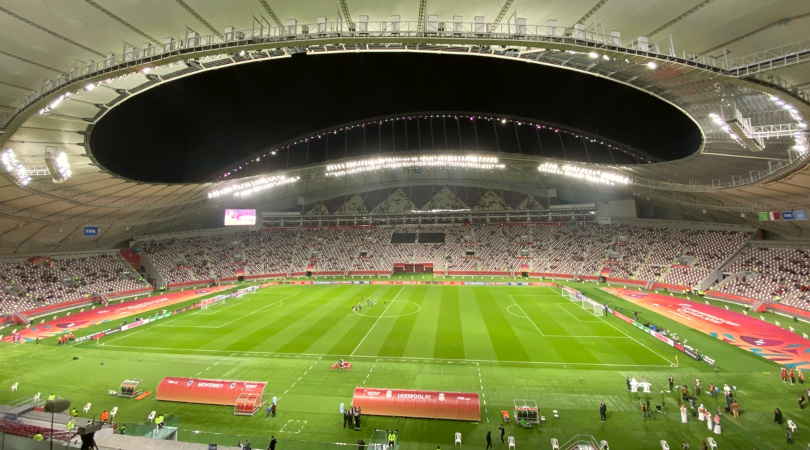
x=773, y=274
x=38, y=282
x=621, y=251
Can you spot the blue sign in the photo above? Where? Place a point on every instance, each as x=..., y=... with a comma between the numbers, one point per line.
x=91, y=231
x=800, y=214
x=787, y=215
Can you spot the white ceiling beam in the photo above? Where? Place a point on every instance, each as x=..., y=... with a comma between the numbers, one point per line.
x=502, y=13
x=758, y=30
x=122, y=22
x=273, y=16
x=200, y=18
x=592, y=11
x=45, y=30
x=679, y=18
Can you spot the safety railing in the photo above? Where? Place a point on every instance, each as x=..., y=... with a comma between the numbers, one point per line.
x=385, y=30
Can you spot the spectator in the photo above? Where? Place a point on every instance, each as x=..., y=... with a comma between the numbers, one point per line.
x=273, y=443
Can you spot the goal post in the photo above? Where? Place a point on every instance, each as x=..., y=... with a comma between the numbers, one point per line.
x=209, y=302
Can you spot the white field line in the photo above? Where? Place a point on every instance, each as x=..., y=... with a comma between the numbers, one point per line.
x=145, y=327
x=527, y=316
x=575, y=317
x=377, y=358
x=377, y=321
x=280, y=302
x=637, y=342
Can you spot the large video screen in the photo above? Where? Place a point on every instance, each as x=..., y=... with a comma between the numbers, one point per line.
x=240, y=217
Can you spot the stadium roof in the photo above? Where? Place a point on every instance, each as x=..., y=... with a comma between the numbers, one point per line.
x=741, y=60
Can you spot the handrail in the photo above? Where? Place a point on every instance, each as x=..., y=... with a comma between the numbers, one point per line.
x=406, y=31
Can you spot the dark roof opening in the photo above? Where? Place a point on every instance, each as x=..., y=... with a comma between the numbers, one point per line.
x=190, y=129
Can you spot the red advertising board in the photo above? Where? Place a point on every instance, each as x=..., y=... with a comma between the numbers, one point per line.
x=210, y=392
x=421, y=404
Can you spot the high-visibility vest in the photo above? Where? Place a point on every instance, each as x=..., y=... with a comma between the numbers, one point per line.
x=51, y=397
x=71, y=424
x=38, y=437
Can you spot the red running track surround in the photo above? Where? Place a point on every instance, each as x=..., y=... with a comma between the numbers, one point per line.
x=759, y=337
x=97, y=316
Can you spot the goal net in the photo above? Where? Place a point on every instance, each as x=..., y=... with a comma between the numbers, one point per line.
x=587, y=304
x=209, y=302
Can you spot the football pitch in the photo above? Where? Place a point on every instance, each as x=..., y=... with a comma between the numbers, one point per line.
x=505, y=343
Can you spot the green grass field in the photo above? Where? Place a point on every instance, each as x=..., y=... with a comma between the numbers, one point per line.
x=503, y=342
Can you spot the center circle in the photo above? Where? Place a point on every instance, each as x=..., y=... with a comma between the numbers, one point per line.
x=396, y=310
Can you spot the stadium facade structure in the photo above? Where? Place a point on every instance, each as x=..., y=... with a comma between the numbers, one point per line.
x=725, y=180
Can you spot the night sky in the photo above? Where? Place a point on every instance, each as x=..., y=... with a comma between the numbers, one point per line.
x=190, y=129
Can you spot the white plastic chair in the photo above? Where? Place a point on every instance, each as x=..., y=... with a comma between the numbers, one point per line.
x=87, y=407
x=511, y=441
x=555, y=445
x=36, y=397
x=458, y=438
x=113, y=412
x=792, y=425
x=151, y=416
x=712, y=444
x=664, y=445
x=14, y=386
x=603, y=445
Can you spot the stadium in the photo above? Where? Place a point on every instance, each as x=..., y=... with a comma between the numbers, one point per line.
x=404, y=224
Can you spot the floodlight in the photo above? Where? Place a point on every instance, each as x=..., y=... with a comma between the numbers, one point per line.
x=58, y=165
x=256, y=185
x=375, y=164
x=592, y=175
x=652, y=65
x=593, y=55
x=13, y=167
x=89, y=87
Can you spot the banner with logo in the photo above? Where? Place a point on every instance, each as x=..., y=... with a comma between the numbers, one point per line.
x=209, y=392
x=420, y=404
x=787, y=215
x=800, y=214
x=763, y=216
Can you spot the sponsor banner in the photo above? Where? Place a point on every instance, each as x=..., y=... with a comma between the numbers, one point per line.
x=762, y=338
x=775, y=215
x=800, y=214
x=421, y=404
x=90, y=231
x=134, y=324
x=92, y=317
x=209, y=392
x=763, y=216
x=98, y=335
x=787, y=215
